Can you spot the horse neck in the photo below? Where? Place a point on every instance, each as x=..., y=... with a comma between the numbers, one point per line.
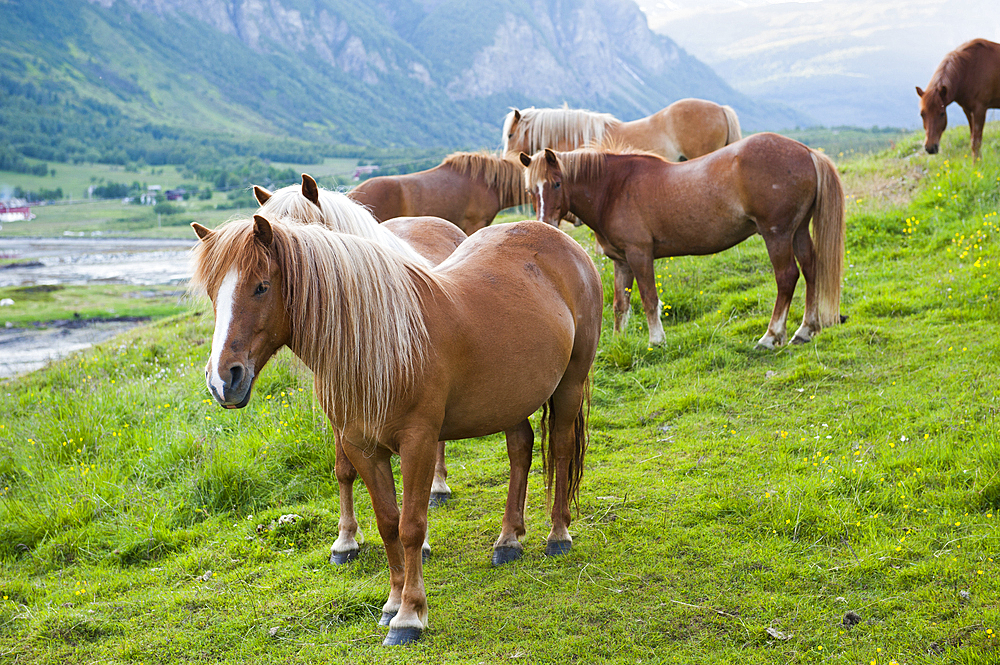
x=587, y=198
x=357, y=322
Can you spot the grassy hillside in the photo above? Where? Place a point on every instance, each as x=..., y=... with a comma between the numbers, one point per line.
x=737, y=505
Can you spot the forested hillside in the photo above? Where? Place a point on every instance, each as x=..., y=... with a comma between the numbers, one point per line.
x=176, y=81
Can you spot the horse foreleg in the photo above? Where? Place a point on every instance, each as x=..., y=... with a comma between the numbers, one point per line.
x=417, y=470
x=786, y=274
x=622, y=305
x=805, y=254
x=440, y=492
x=376, y=471
x=977, y=121
x=346, y=547
x=520, y=442
x=641, y=263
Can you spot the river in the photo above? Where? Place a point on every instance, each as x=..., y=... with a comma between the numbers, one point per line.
x=75, y=260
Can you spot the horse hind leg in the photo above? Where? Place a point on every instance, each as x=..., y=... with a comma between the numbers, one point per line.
x=567, y=447
x=440, y=492
x=786, y=275
x=508, y=547
x=805, y=254
x=347, y=546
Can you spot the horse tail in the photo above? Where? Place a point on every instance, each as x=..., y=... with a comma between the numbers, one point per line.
x=828, y=238
x=580, y=442
x=733, y=124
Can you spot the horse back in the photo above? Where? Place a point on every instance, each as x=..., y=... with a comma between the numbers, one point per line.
x=522, y=299
x=433, y=238
x=980, y=78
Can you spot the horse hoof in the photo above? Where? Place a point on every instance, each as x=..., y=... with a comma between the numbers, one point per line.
x=557, y=547
x=400, y=636
x=800, y=340
x=425, y=555
x=438, y=499
x=506, y=554
x=340, y=558
x=386, y=618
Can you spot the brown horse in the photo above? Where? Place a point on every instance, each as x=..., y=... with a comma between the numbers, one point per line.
x=642, y=207
x=423, y=239
x=969, y=75
x=686, y=129
x=467, y=188
x=405, y=356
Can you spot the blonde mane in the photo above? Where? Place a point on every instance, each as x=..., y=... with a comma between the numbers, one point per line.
x=557, y=128
x=502, y=175
x=574, y=165
x=355, y=308
x=336, y=212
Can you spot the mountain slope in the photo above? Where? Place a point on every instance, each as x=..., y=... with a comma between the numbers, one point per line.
x=407, y=72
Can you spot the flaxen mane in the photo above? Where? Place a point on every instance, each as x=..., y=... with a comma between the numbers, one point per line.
x=545, y=128
x=354, y=307
x=502, y=175
x=575, y=165
x=336, y=212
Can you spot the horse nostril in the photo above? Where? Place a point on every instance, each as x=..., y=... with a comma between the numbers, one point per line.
x=236, y=374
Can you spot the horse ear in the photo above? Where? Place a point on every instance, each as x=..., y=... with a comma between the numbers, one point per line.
x=943, y=91
x=310, y=189
x=262, y=232
x=524, y=159
x=202, y=232
x=517, y=115
x=920, y=93
x=550, y=157
x=261, y=194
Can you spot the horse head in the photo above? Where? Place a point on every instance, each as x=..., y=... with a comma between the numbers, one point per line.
x=933, y=103
x=239, y=268
x=543, y=179
x=510, y=129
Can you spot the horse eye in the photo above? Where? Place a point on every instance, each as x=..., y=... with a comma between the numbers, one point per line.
x=557, y=185
x=262, y=288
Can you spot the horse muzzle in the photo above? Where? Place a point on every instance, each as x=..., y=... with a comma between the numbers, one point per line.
x=932, y=149
x=235, y=392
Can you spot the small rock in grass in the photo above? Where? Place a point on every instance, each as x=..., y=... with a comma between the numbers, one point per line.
x=852, y=618
x=966, y=596
x=778, y=635
x=273, y=632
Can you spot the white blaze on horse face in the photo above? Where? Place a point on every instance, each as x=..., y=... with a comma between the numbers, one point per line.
x=224, y=302
x=541, y=201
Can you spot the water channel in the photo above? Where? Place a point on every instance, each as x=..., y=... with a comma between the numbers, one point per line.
x=74, y=261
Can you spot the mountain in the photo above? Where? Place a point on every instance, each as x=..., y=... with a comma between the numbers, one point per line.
x=119, y=73
x=843, y=62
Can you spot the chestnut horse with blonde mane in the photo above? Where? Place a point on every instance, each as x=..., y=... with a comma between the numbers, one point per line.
x=970, y=76
x=686, y=129
x=642, y=207
x=467, y=188
x=423, y=239
x=405, y=356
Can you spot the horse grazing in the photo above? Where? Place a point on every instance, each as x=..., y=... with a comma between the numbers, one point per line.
x=969, y=75
x=642, y=207
x=405, y=356
x=686, y=129
x=423, y=239
x=467, y=188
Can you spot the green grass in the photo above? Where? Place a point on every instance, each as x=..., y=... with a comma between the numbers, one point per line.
x=45, y=302
x=728, y=491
